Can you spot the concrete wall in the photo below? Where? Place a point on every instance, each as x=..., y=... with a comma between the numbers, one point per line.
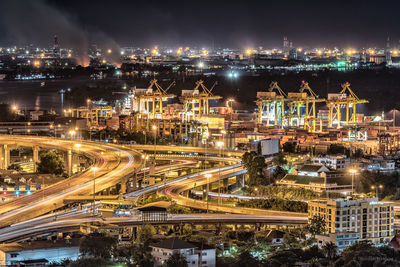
x=51, y=254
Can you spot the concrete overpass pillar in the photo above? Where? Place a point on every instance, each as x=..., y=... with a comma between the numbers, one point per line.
x=186, y=193
x=122, y=189
x=134, y=182
x=205, y=196
x=226, y=184
x=69, y=162
x=35, y=150
x=1, y=158
x=5, y=157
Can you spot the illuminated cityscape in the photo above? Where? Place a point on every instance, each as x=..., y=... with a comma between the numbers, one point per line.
x=171, y=134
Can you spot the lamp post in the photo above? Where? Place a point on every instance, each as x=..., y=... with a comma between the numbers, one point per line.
x=208, y=176
x=223, y=132
x=145, y=157
x=155, y=141
x=353, y=172
x=94, y=169
x=205, y=135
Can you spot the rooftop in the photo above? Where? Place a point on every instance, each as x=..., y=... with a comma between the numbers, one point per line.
x=45, y=244
x=305, y=179
x=313, y=168
x=173, y=243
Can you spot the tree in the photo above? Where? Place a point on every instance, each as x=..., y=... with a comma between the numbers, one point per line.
x=90, y=262
x=136, y=255
x=50, y=162
x=329, y=250
x=245, y=259
x=144, y=234
x=316, y=225
x=290, y=241
x=255, y=167
x=98, y=245
x=282, y=258
x=279, y=160
x=278, y=174
x=176, y=260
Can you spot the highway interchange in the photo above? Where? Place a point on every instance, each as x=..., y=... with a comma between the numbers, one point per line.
x=29, y=215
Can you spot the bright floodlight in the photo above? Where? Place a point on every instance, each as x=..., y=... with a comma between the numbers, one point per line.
x=353, y=171
x=201, y=65
x=208, y=175
x=94, y=169
x=220, y=144
x=72, y=132
x=78, y=145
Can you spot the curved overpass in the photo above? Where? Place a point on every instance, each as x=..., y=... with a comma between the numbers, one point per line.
x=113, y=164
x=175, y=190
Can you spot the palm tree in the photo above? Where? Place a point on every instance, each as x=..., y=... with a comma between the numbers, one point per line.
x=330, y=250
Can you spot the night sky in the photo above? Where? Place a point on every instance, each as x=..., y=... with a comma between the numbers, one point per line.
x=235, y=24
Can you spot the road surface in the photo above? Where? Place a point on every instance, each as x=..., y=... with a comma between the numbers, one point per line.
x=112, y=163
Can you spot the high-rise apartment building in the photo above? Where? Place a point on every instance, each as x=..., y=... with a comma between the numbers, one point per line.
x=371, y=219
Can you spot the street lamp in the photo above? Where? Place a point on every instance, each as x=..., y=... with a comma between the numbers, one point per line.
x=155, y=141
x=94, y=169
x=353, y=172
x=72, y=133
x=208, y=176
x=145, y=157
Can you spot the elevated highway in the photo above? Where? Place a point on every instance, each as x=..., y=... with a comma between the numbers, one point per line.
x=112, y=163
x=74, y=220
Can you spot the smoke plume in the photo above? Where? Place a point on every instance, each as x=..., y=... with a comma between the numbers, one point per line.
x=36, y=22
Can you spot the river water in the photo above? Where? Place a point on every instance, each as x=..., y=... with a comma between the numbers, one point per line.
x=38, y=94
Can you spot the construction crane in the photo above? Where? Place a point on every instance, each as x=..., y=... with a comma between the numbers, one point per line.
x=196, y=103
x=271, y=105
x=302, y=110
x=345, y=99
x=152, y=98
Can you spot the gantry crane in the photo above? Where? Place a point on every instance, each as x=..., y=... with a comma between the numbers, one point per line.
x=345, y=99
x=152, y=98
x=302, y=110
x=271, y=105
x=196, y=103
